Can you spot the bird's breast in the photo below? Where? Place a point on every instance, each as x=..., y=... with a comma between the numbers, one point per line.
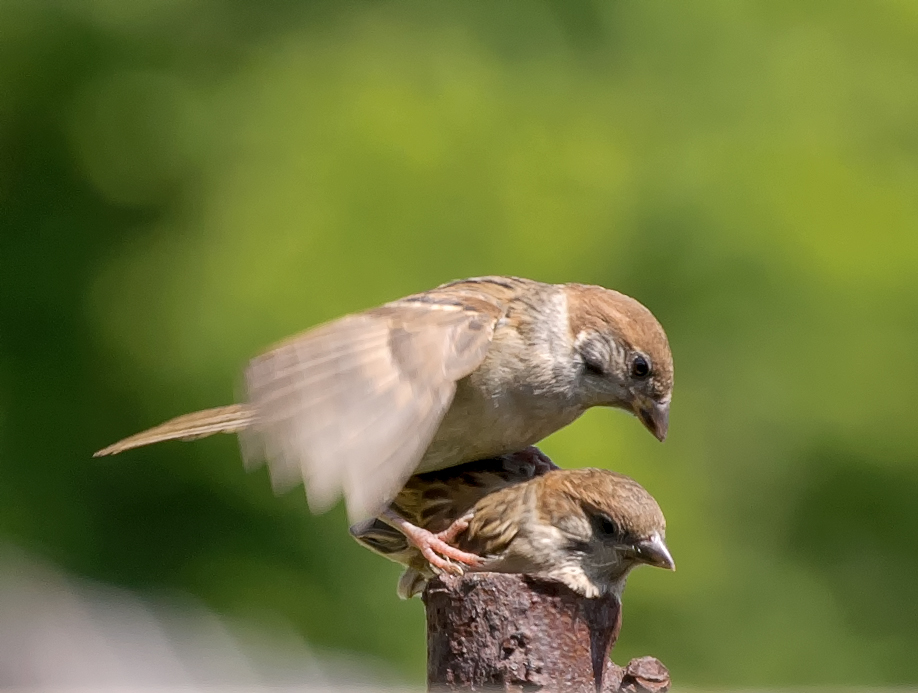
x=520, y=393
x=481, y=424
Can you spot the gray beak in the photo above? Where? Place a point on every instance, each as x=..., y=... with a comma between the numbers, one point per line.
x=655, y=416
x=654, y=552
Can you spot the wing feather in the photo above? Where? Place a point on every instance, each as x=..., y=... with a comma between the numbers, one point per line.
x=353, y=405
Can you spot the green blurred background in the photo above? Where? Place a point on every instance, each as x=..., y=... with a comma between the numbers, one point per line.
x=183, y=182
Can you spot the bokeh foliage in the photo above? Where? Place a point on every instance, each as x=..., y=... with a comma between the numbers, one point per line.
x=183, y=182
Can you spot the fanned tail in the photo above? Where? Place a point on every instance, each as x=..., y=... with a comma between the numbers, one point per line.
x=199, y=424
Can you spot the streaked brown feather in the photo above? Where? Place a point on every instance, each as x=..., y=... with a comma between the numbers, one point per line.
x=496, y=521
x=434, y=500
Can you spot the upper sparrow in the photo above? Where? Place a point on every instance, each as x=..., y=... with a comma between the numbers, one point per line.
x=584, y=527
x=469, y=370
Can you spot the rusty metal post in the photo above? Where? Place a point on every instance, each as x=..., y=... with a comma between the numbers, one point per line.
x=491, y=631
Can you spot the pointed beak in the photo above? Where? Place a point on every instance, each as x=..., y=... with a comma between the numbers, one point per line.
x=654, y=552
x=655, y=416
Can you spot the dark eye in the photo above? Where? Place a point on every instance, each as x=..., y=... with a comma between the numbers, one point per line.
x=605, y=525
x=640, y=367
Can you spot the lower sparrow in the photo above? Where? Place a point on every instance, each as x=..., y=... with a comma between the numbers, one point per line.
x=519, y=513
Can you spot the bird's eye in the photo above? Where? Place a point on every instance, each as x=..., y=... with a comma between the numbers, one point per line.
x=640, y=367
x=606, y=525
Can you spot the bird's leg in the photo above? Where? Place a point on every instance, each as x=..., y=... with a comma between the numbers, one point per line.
x=435, y=548
x=451, y=533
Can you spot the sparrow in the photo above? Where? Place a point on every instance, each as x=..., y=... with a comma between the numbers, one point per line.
x=469, y=370
x=587, y=528
x=425, y=518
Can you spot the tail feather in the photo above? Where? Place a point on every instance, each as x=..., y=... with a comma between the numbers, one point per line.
x=199, y=424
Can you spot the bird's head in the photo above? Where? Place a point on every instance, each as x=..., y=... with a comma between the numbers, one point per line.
x=610, y=524
x=621, y=354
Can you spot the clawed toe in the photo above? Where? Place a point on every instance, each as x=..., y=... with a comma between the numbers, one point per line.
x=450, y=534
x=447, y=558
x=437, y=549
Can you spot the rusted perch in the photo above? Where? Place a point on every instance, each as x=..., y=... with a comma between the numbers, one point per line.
x=491, y=631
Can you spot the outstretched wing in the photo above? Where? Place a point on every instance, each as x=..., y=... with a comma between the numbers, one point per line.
x=353, y=405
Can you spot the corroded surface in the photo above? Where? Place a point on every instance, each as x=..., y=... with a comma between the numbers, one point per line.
x=642, y=675
x=517, y=633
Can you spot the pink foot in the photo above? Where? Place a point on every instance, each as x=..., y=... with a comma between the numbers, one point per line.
x=436, y=548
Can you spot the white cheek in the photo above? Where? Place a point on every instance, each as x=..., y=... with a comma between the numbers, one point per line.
x=546, y=539
x=564, y=566
x=574, y=577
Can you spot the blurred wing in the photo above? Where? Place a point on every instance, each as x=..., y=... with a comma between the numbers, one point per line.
x=353, y=405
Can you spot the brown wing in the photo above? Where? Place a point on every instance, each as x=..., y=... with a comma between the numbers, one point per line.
x=495, y=522
x=433, y=500
x=353, y=405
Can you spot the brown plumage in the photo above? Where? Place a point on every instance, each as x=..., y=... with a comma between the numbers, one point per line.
x=424, y=519
x=469, y=370
x=584, y=527
x=435, y=500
